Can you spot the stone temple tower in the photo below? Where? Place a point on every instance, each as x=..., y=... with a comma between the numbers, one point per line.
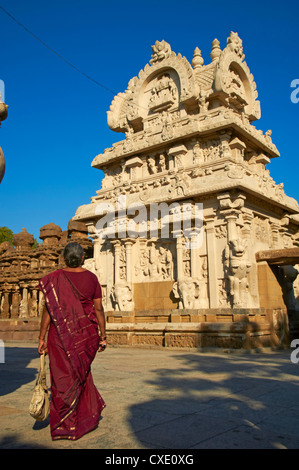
x=192, y=153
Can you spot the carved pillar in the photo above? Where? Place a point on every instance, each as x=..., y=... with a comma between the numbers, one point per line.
x=179, y=257
x=275, y=226
x=121, y=292
x=237, y=265
x=176, y=153
x=247, y=219
x=5, y=306
x=116, y=244
x=253, y=298
x=108, y=277
x=100, y=260
x=212, y=266
x=24, y=304
x=170, y=162
x=129, y=263
x=231, y=218
x=33, y=303
x=15, y=301
x=144, y=169
x=231, y=208
x=194, y=254
x=41, y=303
x=97, y=244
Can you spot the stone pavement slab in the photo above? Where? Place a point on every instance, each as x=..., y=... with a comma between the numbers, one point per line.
x=166, y=399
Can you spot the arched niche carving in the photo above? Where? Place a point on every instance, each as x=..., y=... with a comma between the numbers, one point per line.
x=160, y=93
x=235, y=81
x=165, y=84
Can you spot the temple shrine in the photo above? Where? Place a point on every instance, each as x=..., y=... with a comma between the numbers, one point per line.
x=190, y=152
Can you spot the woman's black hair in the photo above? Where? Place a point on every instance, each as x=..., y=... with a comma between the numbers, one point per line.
x=73, y=254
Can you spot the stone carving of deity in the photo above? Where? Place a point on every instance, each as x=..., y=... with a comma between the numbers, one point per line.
x=238, y=267
x=188, y=292
x=152, y=165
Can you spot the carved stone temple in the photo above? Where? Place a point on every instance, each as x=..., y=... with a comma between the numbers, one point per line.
x=190, y=142
x=190, y=138
x=21, y=268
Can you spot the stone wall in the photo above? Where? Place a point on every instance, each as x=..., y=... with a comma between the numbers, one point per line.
x=246, y=328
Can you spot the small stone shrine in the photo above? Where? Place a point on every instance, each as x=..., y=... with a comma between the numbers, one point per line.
x=190, y=140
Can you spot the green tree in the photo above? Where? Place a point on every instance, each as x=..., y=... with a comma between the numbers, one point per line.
x=6, y=235
x=35, y=244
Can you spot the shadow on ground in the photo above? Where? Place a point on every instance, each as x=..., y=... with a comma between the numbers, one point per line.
x=213, y=401
x=14, y=372
x=13, y=442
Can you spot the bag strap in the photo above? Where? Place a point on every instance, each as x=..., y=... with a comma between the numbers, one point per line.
x=41, y=378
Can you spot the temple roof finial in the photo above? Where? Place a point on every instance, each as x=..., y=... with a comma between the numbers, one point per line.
x=216, y=51
x=197, y=61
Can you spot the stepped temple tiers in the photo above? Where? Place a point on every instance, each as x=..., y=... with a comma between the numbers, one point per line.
x=194, y=243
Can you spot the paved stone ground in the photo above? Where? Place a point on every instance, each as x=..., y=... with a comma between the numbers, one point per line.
x=166, y=399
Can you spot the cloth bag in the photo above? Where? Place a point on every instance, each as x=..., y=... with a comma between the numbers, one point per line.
x=40, y=404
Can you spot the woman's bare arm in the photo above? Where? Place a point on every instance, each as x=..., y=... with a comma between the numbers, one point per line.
x=45, y=322
x=99, y=311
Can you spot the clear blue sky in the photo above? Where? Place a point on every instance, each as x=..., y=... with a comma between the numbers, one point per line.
x=57, y=119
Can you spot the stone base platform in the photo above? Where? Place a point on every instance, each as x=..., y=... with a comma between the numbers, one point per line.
x=19, y=329
x=234, y=329
x=205, y=328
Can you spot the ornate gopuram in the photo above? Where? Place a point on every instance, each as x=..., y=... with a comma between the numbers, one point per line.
x=191, y=147
x=22, y=266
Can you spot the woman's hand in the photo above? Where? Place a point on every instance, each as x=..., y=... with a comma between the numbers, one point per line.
x=42, y=346
x=102, y=345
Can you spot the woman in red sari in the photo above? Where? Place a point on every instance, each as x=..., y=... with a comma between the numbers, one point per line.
x=74, y=316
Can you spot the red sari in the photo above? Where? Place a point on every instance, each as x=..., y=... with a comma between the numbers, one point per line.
x=73, y=341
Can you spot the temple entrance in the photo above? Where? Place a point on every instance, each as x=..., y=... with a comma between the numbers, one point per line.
x=277, y=276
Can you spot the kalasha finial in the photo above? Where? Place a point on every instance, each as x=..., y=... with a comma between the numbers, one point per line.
x=216, y=51
x=197, y=61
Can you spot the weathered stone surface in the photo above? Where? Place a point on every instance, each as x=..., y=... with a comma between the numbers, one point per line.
x=50, y=234
x=23, y=240
x=189, y=139
x=190, y=153
x=21, y=267
x=286, y=256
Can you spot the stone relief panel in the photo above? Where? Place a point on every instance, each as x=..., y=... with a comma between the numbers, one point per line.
x=155, y=262
x=236, y=88
x=189, y=293
x=164, y=86
x=261, y=231
x=162, y=92
x=122, y=297
x=237, y=267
